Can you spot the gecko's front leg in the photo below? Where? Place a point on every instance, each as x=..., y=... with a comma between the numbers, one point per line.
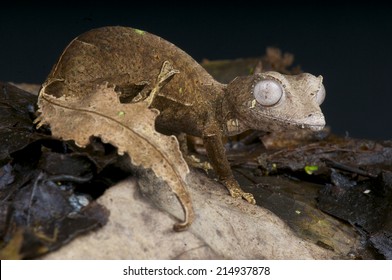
x=216, y=153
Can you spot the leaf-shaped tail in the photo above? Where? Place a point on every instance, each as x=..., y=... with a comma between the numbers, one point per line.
x=130, y=127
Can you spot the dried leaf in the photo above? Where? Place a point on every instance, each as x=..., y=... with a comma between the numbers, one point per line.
x=48, y=214
x=225, y=71
x=11, y=251
x=130, y=127
x=16, y=127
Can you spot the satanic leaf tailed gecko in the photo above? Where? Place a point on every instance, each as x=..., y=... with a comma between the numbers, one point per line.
x=189, y=100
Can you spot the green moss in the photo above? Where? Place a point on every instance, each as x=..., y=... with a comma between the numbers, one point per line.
x=140, y=32
x=309, y=169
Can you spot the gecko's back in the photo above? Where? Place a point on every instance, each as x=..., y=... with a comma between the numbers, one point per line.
x=129, y=59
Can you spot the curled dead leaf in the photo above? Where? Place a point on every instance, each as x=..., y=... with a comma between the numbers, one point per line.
x=130, y=127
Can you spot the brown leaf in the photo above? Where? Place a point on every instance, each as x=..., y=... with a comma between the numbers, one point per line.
x=16, y=128
x=130, y=127
x=11, y=251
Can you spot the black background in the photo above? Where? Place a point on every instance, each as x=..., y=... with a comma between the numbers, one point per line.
x=351, y=46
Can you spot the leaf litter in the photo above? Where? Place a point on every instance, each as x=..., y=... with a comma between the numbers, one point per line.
x=349, y=168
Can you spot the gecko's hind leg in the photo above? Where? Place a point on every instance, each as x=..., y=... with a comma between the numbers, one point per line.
x=191, y=159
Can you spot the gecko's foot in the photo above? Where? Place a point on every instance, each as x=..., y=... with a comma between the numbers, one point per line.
x=197, y=163
x=191, y=159
x=249, y=197
x=236, y=191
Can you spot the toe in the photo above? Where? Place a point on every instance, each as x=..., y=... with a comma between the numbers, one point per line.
x=235, y=193
x=249, y=197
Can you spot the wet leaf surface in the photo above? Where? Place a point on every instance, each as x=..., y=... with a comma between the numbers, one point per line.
x=16, y=128
x=367, y=205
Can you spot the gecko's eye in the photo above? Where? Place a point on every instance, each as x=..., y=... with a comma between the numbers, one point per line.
x=320, y=95
x=268, y=92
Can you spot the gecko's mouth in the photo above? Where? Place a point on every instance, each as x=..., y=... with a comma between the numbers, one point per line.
x=313, y=127
x=301, y=125
x=313, y=122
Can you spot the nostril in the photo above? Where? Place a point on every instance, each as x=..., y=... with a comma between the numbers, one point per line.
x=310, y=115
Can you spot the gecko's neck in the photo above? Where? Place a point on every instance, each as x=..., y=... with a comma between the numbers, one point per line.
x=226, y=114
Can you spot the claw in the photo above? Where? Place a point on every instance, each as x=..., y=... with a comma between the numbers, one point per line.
x=249, y=197
x=236, y=191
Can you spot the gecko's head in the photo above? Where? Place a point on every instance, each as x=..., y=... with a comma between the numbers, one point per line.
x=271, y=101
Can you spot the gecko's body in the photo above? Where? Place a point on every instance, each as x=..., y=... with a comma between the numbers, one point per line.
x=131, y=60
x=189, y=99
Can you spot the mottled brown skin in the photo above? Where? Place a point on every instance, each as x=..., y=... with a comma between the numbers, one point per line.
x=189, y=99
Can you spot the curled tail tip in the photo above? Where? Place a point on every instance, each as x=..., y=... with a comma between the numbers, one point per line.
x=181, y=226
x=189, y=217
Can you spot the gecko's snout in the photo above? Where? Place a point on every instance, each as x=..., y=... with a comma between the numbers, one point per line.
x=314, y=122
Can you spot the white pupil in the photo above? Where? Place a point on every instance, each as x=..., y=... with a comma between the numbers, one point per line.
x=267, y=92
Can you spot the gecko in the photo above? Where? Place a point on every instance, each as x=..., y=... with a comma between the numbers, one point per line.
x=189, y=99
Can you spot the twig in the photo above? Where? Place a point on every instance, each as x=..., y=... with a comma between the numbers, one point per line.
x=344, y=167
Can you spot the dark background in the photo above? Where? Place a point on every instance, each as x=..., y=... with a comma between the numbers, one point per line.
x=350, y=46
